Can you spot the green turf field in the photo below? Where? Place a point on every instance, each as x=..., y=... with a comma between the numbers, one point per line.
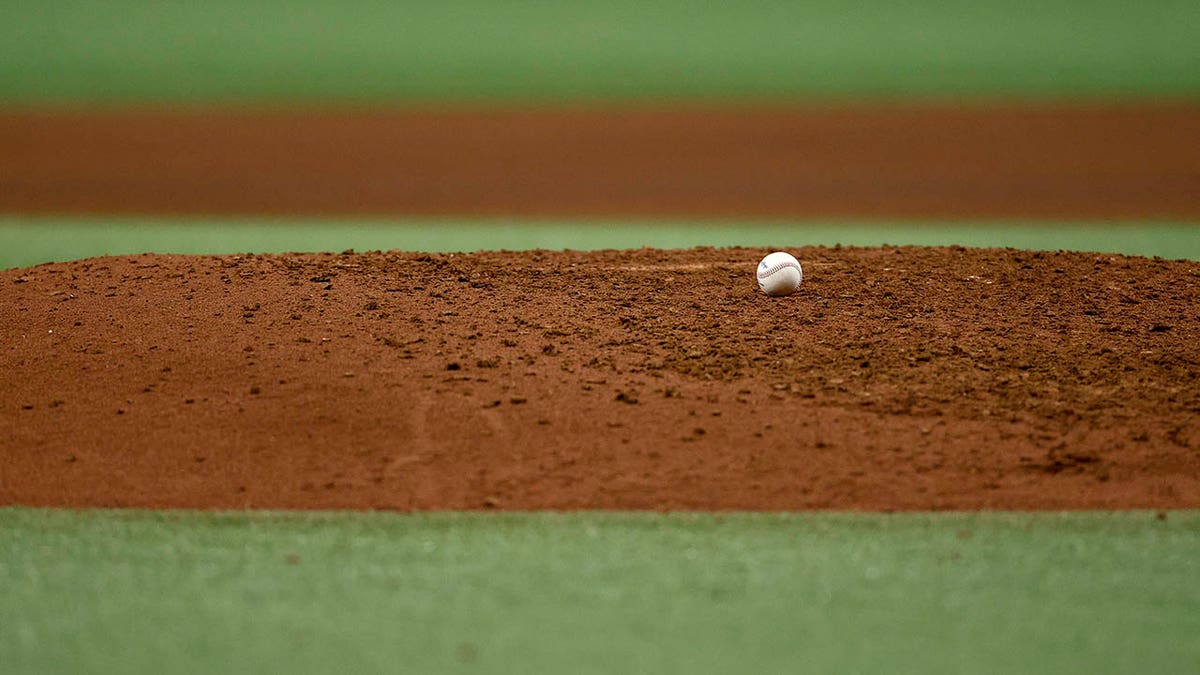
x=28, y=240
x=131, y=592
x=124, y=51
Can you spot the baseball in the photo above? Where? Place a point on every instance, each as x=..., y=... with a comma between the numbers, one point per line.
x=779, y=274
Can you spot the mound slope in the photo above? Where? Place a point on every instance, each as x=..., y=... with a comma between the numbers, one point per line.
x=896, y=379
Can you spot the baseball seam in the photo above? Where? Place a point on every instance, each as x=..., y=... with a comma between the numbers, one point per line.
x=763, y=274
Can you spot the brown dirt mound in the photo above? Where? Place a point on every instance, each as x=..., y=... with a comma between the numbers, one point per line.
x=897, y=378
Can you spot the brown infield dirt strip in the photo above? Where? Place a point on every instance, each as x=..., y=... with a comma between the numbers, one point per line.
x=897, y=378
x=1055, y=161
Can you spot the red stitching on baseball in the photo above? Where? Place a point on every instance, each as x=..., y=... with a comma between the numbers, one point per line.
x=772, y=270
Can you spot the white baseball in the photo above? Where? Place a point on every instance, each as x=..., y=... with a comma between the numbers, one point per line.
x=779, y=274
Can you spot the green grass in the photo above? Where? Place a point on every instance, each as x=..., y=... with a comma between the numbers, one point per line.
x=129, y=592
x=28, y=241
x=122, y=51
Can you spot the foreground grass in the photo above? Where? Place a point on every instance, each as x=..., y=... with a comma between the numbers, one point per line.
x=27, y=240
x=102, y=591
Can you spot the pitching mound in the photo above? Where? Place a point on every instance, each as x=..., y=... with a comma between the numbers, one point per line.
x=897, y=378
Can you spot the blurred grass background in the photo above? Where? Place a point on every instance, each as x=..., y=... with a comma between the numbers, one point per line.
x=314, y=53
x=122, y=52
x=28, y=241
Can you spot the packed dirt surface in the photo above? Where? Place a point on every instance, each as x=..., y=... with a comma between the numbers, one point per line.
x=1058, y=161
x=896, y=379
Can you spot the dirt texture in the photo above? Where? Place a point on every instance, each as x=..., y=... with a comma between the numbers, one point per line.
x=896, y=379
x=1136, y=160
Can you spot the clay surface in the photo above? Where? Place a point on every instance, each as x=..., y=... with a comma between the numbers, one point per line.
x=896, y=379
x=996, y=161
